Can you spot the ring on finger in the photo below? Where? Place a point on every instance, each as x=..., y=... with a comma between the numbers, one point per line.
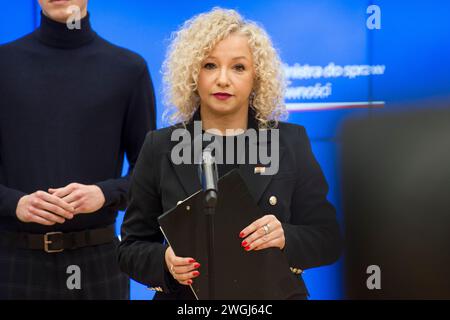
x=266, y=228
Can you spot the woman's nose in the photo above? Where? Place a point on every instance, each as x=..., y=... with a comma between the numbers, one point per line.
x=223, y=80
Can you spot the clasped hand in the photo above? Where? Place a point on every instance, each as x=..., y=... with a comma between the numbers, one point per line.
x=58, y=205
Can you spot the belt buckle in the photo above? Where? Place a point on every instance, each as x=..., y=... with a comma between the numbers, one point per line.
x=47, y=242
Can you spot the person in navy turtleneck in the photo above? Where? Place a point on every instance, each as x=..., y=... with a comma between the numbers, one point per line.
x=71, y=105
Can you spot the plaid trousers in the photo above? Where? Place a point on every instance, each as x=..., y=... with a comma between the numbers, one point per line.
x=37, y=275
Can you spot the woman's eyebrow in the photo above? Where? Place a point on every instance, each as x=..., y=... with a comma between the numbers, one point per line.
x=240, y=57
x=235, y=58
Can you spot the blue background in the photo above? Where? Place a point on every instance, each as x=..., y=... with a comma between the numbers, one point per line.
x=413, y=43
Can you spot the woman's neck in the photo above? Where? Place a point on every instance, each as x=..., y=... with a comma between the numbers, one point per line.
x=231, y=122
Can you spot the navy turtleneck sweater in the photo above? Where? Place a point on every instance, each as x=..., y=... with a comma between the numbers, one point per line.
x=71, y=105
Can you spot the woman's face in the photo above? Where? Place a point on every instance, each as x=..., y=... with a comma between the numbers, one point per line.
x=226, y=77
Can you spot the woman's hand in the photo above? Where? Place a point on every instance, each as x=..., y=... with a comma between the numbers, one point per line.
x=266, y=232
x=182, y=269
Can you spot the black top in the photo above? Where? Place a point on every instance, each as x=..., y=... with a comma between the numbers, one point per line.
x=227, y=145
x=71, y=105
x=227, y=165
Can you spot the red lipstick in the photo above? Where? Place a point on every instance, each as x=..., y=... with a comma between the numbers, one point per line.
x=222, y=95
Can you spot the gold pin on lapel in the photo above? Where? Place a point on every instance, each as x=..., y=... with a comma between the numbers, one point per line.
x=260, y=170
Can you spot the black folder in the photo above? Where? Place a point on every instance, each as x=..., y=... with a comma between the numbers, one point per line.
x=239, y=274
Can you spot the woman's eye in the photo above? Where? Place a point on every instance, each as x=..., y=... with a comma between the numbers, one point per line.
x=239, y=67
x=209, y=66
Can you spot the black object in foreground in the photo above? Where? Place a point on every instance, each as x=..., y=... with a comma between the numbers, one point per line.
x=239, y=274
x=396, y=186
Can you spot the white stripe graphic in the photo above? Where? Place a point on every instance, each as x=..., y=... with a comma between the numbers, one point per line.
x=314, y=106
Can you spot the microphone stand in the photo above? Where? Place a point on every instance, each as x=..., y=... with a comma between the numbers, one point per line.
x=210, y=211
x=210, y=189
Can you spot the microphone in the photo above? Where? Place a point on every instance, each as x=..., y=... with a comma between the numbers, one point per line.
x=209, y=177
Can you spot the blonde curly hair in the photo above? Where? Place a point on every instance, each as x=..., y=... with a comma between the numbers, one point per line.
x=193, y=43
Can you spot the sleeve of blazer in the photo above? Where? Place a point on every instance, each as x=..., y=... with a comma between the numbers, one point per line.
x=141, y=251
x=312, y=235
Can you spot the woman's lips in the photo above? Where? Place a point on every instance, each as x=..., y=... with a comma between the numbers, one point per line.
x=222, y=95
x=59, y=1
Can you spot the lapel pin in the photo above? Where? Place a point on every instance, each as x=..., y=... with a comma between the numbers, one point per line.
x=260, y=170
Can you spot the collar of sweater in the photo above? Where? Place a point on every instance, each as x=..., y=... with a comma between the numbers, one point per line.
x=57, y=34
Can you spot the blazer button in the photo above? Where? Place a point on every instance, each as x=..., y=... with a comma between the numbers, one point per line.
x=273, y=200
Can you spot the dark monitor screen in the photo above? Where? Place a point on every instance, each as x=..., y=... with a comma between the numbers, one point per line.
x=396, y=199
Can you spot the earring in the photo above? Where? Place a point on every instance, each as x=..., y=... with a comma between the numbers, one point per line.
x=252, y=97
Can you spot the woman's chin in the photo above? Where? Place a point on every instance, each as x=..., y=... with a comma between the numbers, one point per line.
x=223, y=109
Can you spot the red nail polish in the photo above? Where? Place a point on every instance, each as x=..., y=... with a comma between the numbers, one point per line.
x=191, y=261
x=247, y=248
x=189, y=282
x=197, y=265
x=241, y=234
x=195, y=273
x=244, y=243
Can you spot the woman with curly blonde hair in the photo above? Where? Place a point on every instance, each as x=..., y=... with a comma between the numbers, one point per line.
x=223, y=70
x=192, y=45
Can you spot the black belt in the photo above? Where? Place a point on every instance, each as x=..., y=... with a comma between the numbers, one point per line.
x=53, y=242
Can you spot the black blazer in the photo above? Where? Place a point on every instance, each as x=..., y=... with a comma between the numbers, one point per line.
x=309, y=220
